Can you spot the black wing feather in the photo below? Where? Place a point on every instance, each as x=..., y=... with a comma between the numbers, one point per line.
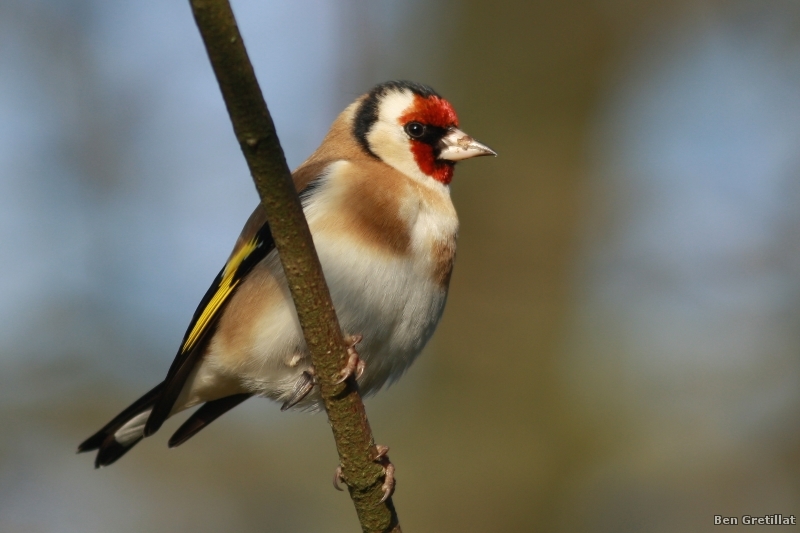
x=209, y=412
x=96, y=441
x=195, y=342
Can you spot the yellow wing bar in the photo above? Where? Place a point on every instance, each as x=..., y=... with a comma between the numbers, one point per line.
x=226, y=286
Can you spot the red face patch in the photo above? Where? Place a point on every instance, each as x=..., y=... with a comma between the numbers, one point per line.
x=433, y=111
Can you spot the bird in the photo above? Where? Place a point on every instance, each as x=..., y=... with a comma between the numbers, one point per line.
x=376, y=195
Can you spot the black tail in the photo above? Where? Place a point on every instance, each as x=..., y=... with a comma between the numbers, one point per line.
x=109, y=448
x=209, y=412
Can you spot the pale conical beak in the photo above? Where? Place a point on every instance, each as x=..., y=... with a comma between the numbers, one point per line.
x=457, y=145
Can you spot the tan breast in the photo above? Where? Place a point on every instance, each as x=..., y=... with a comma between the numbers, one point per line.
x=443, y=256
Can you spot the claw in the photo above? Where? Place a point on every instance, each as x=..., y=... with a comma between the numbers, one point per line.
x=388, y=482
x=388, y=471
x=338, y=478
x=354, y=364
x=382, y=451
x=352, y=340
x=302, y=387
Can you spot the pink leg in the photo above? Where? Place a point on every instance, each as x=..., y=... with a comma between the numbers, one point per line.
x=388, y=472
x=355, y=366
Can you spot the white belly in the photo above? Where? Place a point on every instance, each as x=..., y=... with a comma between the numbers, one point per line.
x=389, y=301
x=386, y=299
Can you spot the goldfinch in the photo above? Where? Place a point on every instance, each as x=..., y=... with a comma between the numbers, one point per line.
x=377, y=199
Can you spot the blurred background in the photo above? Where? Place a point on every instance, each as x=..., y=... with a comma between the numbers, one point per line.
x=620, y=351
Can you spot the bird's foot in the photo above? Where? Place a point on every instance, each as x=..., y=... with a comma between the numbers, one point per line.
x=307, y=380
x=302, y=387
x=388, y=473
x=355, y=366
x=338, y=478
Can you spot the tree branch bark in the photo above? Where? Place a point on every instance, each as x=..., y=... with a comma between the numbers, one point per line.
x=258, y=139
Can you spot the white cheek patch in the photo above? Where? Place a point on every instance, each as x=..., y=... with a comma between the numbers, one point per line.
x=394, y=105
x=389, y=141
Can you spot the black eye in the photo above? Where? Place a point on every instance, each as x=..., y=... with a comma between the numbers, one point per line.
x=415, y=129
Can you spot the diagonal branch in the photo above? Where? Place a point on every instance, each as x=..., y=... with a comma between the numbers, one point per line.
x=255, y=131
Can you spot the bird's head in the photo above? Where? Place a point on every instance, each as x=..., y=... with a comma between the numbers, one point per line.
x=410, y=127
